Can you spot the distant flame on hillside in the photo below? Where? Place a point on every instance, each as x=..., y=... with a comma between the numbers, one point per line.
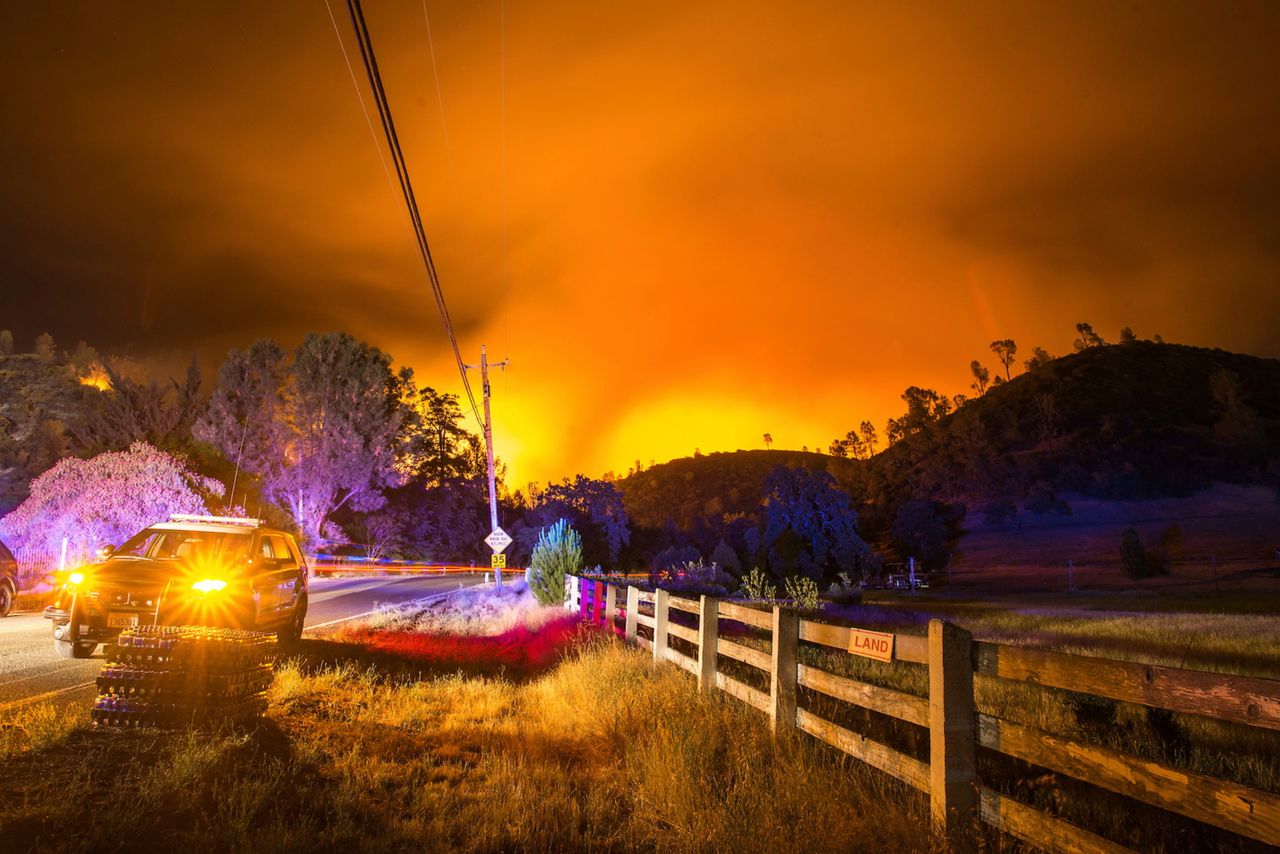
x=97, y=377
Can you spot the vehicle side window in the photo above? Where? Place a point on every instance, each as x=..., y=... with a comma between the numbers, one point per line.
x=282, y=553
x=265, y=549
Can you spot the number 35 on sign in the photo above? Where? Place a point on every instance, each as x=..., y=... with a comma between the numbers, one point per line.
x=499, y=562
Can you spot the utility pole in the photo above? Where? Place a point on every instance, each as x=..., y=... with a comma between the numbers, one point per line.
x=488, y=444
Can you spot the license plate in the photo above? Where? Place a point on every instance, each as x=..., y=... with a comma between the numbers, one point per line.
x=122, y=621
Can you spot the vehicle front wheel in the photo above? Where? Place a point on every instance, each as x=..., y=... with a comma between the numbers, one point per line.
x=6, y=599
x=69, y=649
x=292, y=632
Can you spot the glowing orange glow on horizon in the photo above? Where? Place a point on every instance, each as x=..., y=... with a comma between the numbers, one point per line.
x=707, y=222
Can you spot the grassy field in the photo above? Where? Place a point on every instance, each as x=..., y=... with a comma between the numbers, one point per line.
x=496, y=725
x=368, y=749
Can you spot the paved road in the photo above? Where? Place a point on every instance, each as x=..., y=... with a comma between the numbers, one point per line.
x=31, y=671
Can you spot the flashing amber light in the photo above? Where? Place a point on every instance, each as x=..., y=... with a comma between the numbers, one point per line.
x=75, y=578
x=209, y=585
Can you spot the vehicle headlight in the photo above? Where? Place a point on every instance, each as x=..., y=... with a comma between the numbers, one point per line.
x=209, y=585
x=75, y=578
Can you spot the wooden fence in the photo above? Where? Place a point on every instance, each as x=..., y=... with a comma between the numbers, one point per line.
x=956, y=729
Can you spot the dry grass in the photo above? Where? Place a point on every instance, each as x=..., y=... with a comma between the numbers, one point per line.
x=603, y=751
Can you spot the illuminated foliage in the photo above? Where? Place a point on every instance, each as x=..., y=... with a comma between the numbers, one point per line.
x=595, y=508
x=757, y=586
x=321, y=430
x=105, y=499
x=810, y=526
x=803, y=592
x=558, y=553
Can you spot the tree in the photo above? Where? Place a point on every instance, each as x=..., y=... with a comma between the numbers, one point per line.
x=870, y=440
x=768, y=441
x=595, y=508
x=981, y=377
x=445, y=523
x=435, y=445
x=382, y=532
x=105, y=500
x=6, y=342
x=321, y=431
x=839, y=448
x=1127, y=336
x=810, y=526
x=46, y=349
x=924, y=407
x=132, y=412
x=557, y=554
x=726, y=558
x=1005, y=350
x=1087, y=338
x=1039, y=358
x=922, y=529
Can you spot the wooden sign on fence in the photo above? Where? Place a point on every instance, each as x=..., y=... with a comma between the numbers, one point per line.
x=877, y=645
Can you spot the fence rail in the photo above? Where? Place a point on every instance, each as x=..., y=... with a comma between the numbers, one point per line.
x=956, y=729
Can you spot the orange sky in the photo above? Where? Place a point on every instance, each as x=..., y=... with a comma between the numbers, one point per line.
x=715, y=220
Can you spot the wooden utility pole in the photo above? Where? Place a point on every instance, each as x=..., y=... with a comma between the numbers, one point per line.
x=488, y=446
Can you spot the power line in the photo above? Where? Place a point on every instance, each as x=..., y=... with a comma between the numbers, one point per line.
x=406, y=188
x=435, y=73
x=373, y=134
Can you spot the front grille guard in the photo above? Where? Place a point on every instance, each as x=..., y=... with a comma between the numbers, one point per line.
x=72, y=631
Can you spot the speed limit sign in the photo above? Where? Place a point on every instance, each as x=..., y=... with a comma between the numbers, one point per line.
x=499, y=561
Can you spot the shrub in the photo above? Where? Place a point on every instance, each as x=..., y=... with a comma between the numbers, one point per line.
x=1138, y=562
x=557, y=554
x=697, y=577
x=803, y=592
x=756, y=585
x=845, y=590
x=105, y=500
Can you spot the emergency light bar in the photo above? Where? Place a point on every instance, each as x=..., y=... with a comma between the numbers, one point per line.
x=216, y=520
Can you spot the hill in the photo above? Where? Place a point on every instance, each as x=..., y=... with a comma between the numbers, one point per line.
x=1134, y=422
x=687, y=491
x=1139, y=420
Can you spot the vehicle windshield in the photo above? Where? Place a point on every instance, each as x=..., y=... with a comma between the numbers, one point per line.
x=188, y=546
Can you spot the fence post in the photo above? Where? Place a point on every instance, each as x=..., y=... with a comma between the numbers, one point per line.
x=953, y=791
x=708, y=640
x=610, y=606
x=633, y=608
x=572, y=594
x=784, y=672
x=661, y=605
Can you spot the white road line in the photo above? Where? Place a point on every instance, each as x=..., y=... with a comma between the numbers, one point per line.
x=48, y=695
